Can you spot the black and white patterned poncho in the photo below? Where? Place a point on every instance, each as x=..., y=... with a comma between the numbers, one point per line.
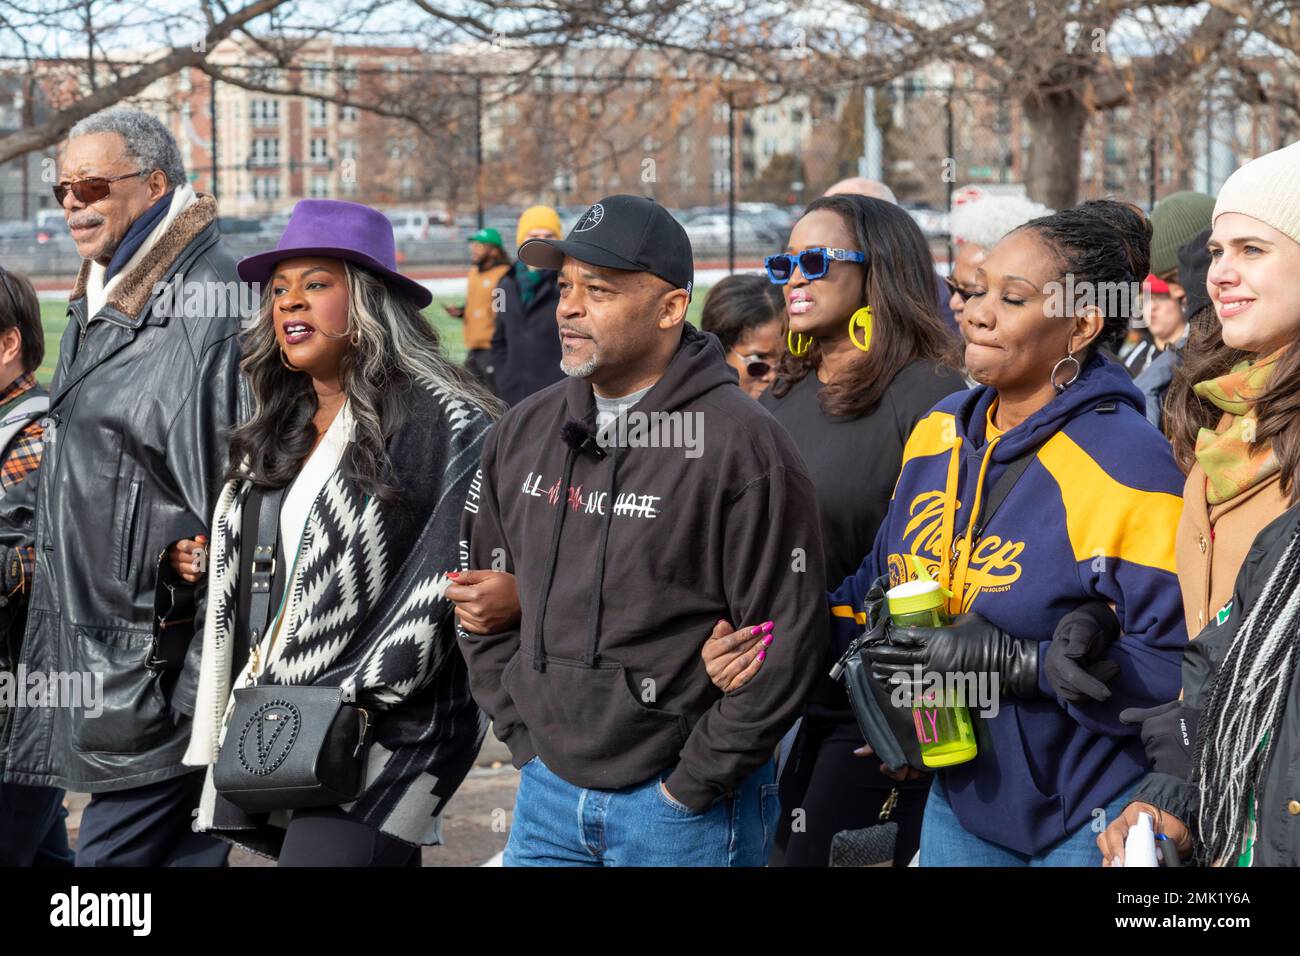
x=365, y=609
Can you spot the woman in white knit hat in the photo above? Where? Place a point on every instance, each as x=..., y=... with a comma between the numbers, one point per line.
x=1223, y=753
x=1234, y=411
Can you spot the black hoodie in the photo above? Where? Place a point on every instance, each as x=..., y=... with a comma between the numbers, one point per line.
x=633, y=557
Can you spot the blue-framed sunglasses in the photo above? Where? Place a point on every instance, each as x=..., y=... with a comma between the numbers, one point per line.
x=813, y=263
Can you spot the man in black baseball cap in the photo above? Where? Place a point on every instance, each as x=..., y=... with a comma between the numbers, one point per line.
x=626, y=554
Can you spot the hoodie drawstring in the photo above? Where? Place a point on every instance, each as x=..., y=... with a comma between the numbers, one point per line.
x=963, y=559
x=593, y=610
x=561, y=506
x=948, y=519
x=955, y=581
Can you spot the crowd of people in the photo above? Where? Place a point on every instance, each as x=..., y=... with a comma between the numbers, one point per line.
x=308, y=560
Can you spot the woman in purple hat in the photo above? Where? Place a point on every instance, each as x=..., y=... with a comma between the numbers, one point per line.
x=352, y=472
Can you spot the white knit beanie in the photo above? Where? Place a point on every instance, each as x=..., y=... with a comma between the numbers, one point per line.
x=1267, y=189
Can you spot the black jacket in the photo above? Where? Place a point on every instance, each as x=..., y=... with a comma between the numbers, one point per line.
x=526, y=341
x=142, y=400
x=852, y=500
x=1277, y=840
x=630, y=560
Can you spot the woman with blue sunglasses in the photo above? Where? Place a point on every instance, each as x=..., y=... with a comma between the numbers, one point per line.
x=869, y=356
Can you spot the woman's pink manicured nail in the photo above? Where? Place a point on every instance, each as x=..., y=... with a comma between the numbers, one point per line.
x=768, y=640
x=756, y=630
x=768, y=626
x=762, y=654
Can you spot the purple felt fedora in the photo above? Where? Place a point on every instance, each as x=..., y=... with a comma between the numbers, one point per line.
x=339, y=230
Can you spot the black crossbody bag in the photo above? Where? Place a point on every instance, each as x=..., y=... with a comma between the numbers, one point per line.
x=288, y=746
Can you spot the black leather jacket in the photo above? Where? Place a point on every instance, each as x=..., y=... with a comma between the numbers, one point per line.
x=1277, y=835
x=142, y=401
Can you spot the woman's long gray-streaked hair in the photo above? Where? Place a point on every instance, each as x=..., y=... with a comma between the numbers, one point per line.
x=1241, y=719
x=398, y=351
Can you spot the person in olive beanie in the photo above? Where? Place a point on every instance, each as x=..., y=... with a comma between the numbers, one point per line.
x=1175, y=221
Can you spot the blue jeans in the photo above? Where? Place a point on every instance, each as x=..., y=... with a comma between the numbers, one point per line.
x=944, y=842
x=558, y=824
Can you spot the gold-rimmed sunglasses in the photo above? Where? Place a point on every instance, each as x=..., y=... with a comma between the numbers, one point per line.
x=93, y=188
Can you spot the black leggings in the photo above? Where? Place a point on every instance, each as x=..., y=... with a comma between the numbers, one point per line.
x=329, y=837
x=840, y=791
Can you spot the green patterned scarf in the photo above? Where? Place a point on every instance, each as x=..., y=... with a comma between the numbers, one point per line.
x=1233, y=460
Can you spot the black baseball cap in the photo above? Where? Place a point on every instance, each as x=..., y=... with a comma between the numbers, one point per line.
x=622, y=232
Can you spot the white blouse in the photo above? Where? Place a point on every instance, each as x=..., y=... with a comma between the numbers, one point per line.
x=319, y=468
x=295, y=509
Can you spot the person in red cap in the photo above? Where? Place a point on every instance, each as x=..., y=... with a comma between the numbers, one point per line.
x=1162, y=310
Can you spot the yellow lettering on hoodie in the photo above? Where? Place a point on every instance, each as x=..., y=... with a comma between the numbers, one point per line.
x=929, y=536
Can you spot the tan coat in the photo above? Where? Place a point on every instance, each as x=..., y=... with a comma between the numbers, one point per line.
x=480, y=316
x=1212, y=543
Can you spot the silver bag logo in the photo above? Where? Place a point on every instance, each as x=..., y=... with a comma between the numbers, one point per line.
x=590, y=219
x=268, y=736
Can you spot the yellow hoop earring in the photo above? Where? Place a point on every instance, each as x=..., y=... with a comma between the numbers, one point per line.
x=861, y=319
x=803, y=346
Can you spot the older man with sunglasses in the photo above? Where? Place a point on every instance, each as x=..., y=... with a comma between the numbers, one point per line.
x=147, y=384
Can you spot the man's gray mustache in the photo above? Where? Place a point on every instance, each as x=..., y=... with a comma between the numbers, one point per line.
x=78, y=223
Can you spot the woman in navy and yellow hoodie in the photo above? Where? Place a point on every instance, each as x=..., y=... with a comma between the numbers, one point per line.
x=1090, y=522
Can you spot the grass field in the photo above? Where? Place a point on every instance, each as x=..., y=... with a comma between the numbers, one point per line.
x=54, y=318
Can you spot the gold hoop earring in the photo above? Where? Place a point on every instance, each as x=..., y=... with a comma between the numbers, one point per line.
x=802, y=348
x=285, y=362
x=861, y=319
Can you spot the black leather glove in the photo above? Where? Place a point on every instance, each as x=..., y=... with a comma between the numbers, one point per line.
x=874, y=603
x=1074, y=664
x=968, y=645
x=1168, y=735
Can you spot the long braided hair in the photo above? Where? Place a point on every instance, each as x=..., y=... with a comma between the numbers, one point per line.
x=1244, y=708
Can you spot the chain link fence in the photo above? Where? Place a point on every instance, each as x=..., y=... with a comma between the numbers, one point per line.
x=735, y=165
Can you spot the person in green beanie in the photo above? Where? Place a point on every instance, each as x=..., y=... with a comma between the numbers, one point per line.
x=1176, y=222
x=490, y=262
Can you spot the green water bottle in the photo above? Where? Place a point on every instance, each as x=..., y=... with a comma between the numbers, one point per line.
x=943, y=726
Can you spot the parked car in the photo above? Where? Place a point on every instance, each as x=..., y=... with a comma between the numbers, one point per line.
x=274, y=224
x=411, y=223
x=710, y=233
x=49, y=219
x=237, y=226
x=933, y=222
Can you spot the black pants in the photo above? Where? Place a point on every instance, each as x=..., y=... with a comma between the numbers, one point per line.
x=33, y=831
x=329, y=837
x=837, y=790
x=147, y=826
